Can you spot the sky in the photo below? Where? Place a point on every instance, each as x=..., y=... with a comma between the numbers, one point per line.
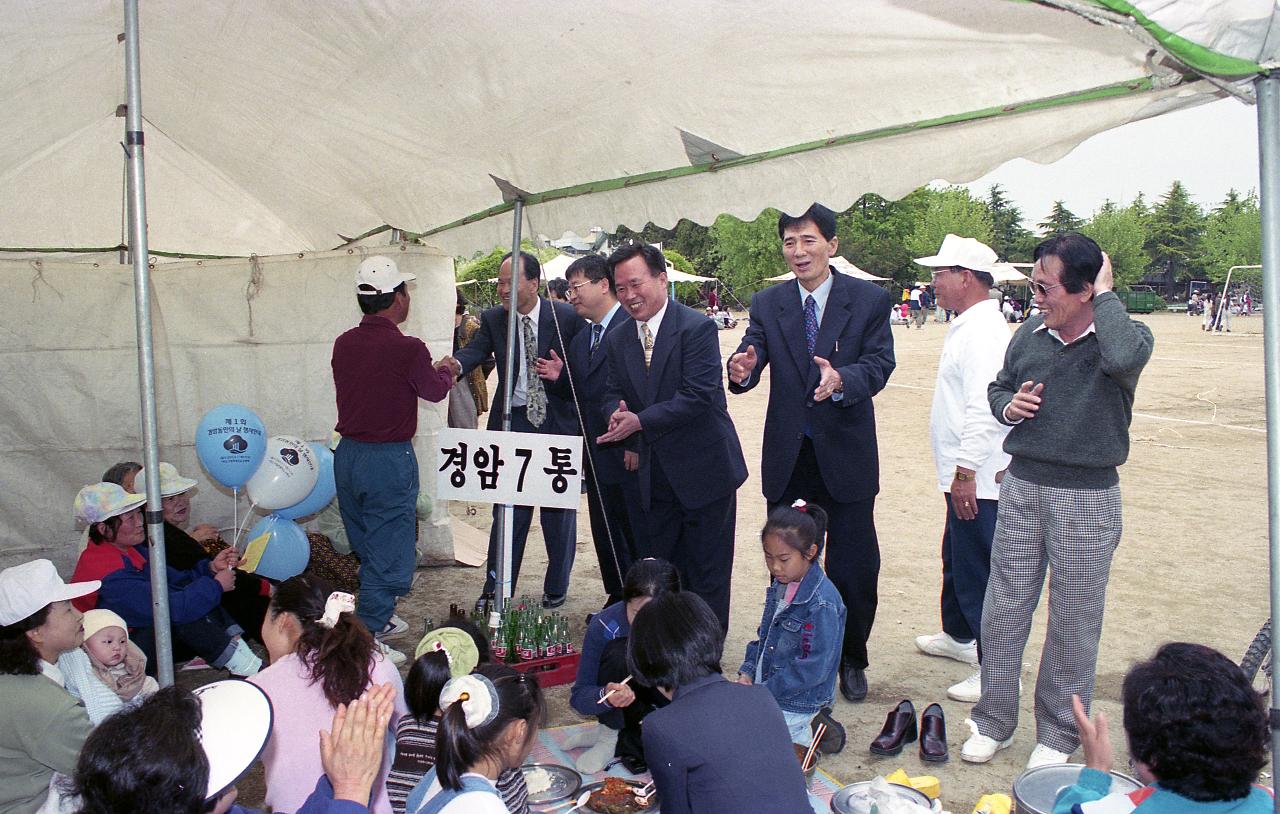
x=1211, y=149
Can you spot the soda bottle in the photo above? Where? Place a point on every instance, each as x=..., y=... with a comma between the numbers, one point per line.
x=428, y=625
x=499, y=646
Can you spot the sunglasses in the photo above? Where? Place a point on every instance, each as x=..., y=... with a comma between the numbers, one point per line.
x=1042, y=289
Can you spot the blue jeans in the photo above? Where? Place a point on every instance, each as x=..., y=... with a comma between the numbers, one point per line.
x=377, y=497
x=966, y=567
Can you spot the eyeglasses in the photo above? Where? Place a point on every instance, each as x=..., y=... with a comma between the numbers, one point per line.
x=573, y=289
x=1042, y=289
x=944, y=269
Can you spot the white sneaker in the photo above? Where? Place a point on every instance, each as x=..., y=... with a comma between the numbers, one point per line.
x=390, y=653
x=979, y=748
x=1045, y=756
x=941, y=644
x=969, y=690
x=395, y=626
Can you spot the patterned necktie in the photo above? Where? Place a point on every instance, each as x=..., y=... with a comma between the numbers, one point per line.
x=810, y=324
x=648, y=344
x=535, y=397
x=597, y=331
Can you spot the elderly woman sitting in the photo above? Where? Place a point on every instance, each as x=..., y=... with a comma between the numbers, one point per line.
x=117, y=557
x=42, y=727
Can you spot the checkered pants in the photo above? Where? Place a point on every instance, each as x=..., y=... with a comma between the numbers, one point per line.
x=1073, y=533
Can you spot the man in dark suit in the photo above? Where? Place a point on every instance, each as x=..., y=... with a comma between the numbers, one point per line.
x=828, y=337
x=666, y=399
x=545, y=327
x=583, y=380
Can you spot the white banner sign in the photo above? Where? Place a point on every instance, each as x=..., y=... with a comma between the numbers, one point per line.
x=524, y=469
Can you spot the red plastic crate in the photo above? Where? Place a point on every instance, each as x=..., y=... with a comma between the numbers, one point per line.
x=551, y=671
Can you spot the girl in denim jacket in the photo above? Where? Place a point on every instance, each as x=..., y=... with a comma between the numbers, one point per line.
x=797, y=649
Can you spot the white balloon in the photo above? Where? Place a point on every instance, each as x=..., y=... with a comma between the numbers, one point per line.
x=286, y=475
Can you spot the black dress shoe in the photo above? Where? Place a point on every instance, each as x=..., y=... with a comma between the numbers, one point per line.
x=933, y=735
x=552, y=602
x=853, y=682
x=899, y=730
x=833, y=736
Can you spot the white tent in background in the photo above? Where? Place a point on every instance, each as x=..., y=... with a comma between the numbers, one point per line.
x=675, y=275
x=555, y=268
x=839, y=264
x=1008, y=274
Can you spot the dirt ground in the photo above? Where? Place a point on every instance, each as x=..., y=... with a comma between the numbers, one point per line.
x=1192, y=564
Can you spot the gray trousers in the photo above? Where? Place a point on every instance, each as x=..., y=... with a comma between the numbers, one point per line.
x=1073, y=533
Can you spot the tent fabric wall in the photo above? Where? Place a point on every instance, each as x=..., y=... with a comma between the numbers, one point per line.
x=255, y=332
x=278, y=127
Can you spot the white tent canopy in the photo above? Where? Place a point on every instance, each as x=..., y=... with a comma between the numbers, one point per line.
x=839, y=264
x=555, y=268
x=276, y=128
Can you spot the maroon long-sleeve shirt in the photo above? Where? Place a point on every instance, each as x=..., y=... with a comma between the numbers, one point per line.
x=379, y=374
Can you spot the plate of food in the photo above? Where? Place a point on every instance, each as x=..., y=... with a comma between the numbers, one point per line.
x=550, y=782
x=617, y=795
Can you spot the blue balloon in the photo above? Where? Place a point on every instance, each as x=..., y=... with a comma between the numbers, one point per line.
x=321, y=494
x=231, y=441
x=276, y=548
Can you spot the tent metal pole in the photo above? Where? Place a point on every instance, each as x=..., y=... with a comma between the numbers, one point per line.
x=146, y=358
x=502, y=579
x=1268, y=89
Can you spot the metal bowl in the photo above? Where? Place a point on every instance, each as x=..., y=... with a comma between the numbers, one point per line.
x=1035, y=789
x=853, y=798
x=565, y=783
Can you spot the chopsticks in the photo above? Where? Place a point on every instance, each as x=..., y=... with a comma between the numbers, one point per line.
x=605, y=697
x=813, y=747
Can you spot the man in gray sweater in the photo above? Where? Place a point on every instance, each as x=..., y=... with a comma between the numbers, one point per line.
x=1067, y=390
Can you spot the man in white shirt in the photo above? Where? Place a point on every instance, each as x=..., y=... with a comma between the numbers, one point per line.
x=967, y=447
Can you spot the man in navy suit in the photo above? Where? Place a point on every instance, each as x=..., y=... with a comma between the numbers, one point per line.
x=546, y=326
x=591, y=294
x=828, y=337
x=665, y=398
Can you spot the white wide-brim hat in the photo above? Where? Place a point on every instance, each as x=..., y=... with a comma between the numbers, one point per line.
x=235, y=723
x=965, y=252
x=171, y=483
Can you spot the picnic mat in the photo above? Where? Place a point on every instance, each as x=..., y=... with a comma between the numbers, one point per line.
x=548, y=749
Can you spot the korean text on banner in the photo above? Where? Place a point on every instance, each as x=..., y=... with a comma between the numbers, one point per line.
x=523, y=469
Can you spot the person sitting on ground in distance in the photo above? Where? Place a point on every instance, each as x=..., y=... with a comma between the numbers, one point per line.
x=322, y=656
x=603, y=668
x=490, y=723
x=1198, y=736
x=718, y=746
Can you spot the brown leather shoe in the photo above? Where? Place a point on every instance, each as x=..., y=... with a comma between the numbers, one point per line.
x=899, y=730
x=933, y=735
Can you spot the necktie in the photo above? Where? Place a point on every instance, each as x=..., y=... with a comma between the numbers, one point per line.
x=597, y=331
x=810, y=323
x=536, y=398
x=648, y=344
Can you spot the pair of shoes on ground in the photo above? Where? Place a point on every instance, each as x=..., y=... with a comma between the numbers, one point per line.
x=900, y=728
x=980, y=748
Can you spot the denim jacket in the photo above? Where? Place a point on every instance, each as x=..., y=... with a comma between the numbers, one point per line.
x=801, y=645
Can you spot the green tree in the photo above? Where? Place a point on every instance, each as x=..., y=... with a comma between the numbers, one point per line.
x=1233, y=237
x=1011, y=240
x=1174, y=230
x=748, y=251
x=1120, y=233
x=678, y=261
x=949, y=211
x=874, y=230
x=1060, y=220
x=692, y=240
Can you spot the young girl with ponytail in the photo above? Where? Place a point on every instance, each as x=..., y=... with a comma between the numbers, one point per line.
x=489, y=723
x=321, y=656
x=797, y=649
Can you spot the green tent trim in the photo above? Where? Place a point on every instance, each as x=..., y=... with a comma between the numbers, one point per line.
x=1202, y=59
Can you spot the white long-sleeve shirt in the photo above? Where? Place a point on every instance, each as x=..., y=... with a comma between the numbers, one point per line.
x=962, y=430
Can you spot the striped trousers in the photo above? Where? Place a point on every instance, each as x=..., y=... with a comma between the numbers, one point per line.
x=1072, y=533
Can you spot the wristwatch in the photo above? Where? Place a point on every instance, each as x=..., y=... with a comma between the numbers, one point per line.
x=962, y=477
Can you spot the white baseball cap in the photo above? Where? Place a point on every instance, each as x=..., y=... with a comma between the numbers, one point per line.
x=380, y=275
x=964, y=252
x=171, y=483
x=26, y=588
